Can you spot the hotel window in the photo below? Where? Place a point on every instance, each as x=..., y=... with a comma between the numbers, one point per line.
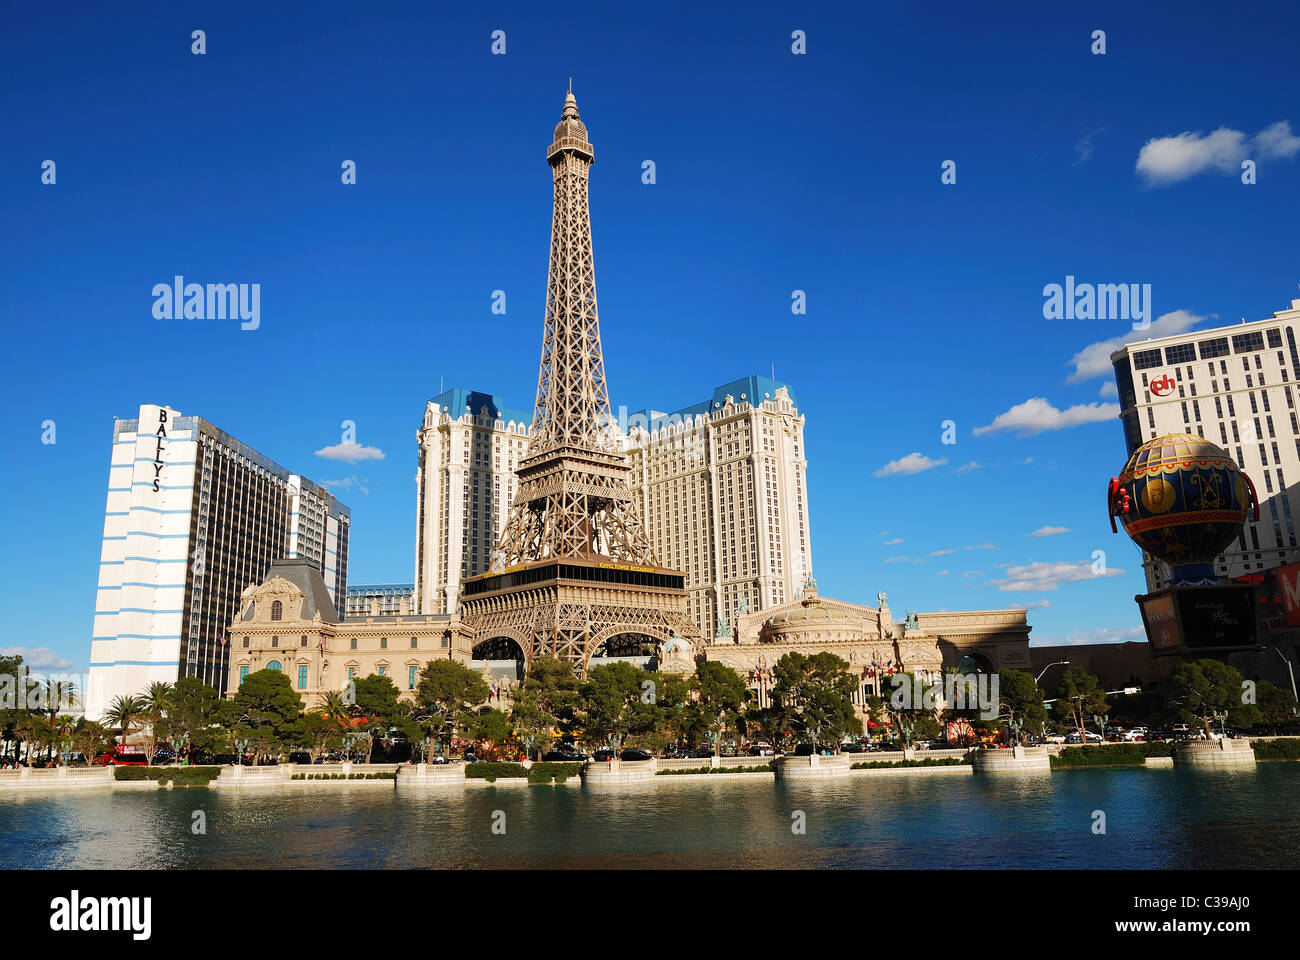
x=275, y=641
x=243, y=673
x=302, y=642
x=274, y=665
x=383, y=671
x=414, y=643
x=302, y=676
x=352, y=673
x=246, y=638
x=410, y=678
x=277, y=610
x=354, y=643
x=383, y=643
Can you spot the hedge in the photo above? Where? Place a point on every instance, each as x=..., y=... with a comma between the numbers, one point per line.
x=1112, y=755
x=551, y=771
x=489, y=771
x=390, y=775
x=182, y=776
x=1288, y=749
x=927, y=762
x=763, y=768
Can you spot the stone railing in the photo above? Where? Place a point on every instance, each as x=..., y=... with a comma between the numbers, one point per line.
x=56, y=778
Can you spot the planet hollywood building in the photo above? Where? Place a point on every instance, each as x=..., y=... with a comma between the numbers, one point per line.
x=193, y=517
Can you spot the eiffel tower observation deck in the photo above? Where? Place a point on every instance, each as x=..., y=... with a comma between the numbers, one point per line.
x=574, y=575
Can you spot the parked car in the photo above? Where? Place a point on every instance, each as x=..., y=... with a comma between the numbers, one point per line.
x=852, y=747
x=636, y=753
x=122, y=756
x=701, y=753
x=603, y=754
x=438, y=758
x=805, y=749
x=299, y=756
x=761, y=750
x=563, y=755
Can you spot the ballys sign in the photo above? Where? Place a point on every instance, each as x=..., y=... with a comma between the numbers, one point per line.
x=159, y=435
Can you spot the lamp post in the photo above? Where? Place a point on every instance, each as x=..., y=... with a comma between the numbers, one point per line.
x=1221, y=716
x=1049, y=667
x=1100, y=721
x=1291, y=670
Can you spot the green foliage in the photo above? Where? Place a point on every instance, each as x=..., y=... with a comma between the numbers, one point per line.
x=764, y=768
x=492, y=726
x=1080, y=697
x=1197, y=690
x=927, y=762
x=449, y=693
x=490, y=770
x=1288, y=749
x=547, y=772
x=1276, y=706
x=816, y=696
x=264, y=713
x=381, y=775
x=722, y=692
x=614, y=702
x=1110, y=755
x=181, y=776
x=191, y=711
x=1020, y=700
x=545, y=703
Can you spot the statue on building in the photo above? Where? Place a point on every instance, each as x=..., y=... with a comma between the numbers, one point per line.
x=882, y=599
x=744, y=606
x=724, y=630
x=911, y=623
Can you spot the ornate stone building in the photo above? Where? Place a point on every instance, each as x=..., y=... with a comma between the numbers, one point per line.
x=288, y=623
x=972, y=641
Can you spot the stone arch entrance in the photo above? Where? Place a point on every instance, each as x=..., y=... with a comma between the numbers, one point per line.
x=639, y=645
x=497, y=653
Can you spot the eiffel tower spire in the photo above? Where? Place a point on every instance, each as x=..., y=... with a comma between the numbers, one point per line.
x=574, y=499
x=573, y=574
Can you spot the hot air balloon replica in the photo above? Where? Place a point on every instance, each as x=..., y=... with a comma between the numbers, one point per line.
x=1183, y=499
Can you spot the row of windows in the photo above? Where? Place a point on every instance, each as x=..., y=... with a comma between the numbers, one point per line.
x=1216, y=347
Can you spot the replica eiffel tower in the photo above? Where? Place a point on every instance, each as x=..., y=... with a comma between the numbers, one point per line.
x=573, y=574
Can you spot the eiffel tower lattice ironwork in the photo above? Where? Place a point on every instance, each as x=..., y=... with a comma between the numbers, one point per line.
x=574, y=570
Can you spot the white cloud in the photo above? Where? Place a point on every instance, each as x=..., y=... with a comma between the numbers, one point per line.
x=940, y=553
x=347, y=483
x=944, y=573
x=973, y=465
x=1040, y=577
x=1084, y=147
x=912, y=463
x=895, y=540
x=1048, y=531
x=350, y=452
x=1277, y=142
x=1094, y=359
x=1032, y=605
x=1108, y=389
x=1026, y=461
x=1036, y=415
x=1166, y=160
x=973, y=573
x=980, y=546
x=899, y=559
x=1102, y=635
x=38, y=658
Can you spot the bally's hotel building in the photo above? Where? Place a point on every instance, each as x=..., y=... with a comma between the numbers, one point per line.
x=193, y=518
x=1239, y=387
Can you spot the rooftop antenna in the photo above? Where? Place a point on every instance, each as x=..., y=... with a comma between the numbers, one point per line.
x=441, y=388
x=773, y=369
x=571, y=84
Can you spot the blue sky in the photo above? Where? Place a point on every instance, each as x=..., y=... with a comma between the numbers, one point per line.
x=775, y=172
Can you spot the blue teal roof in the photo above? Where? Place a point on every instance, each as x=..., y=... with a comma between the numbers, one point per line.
x=457, y=398
x=754, y=388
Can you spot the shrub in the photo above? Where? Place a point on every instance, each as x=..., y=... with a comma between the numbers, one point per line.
x=181, y=776
x=1111, y=755
x=1288, y=749
x=927, y=762
x=489, y=771
x=552, y=771
x=761, y=768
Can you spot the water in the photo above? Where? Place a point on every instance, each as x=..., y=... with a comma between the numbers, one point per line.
x=1155, y=819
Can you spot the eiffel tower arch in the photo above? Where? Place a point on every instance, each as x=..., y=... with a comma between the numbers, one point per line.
x=574, y=570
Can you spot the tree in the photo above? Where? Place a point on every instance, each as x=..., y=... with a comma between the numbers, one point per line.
x=266, y=712
x=612, y=701
x=1199, y=689
x=450, y=693
x=153, y=703
x=816, y=696
x=722, y=692
x=377, y=702
x=1020, y=702
x=1080, y=696
x=320, y=733
x=1276, y=706
x=125, y=713
x=490, y=725
x=91, y=739
x=545, y=703
x=190, y=716
x=912, y=708
x=10, y=677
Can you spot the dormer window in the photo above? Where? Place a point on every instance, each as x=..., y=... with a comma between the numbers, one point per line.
x=277, y=610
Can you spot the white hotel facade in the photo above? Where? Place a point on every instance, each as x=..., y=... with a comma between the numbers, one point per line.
x=193, y=518
x=722, y=486
x=1239, y=387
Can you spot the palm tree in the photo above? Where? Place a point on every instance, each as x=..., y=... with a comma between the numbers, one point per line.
x=335, y=708
x=125, y=713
